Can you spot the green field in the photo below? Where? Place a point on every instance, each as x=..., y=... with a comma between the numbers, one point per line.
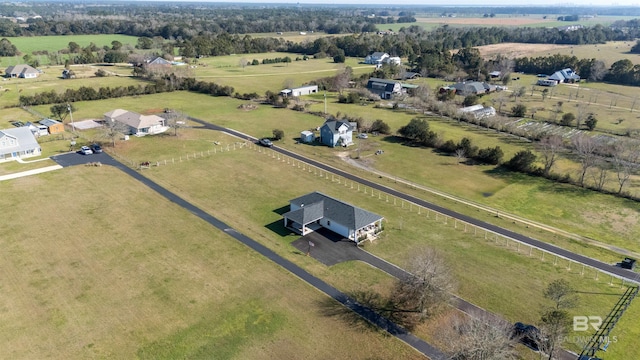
x=226, y=70
x=128, y=274
x=216, y=179
x=29, y=44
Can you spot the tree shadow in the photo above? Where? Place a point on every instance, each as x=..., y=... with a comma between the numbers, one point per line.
x=385, y=307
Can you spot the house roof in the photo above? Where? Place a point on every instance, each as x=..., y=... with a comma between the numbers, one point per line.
x=334, y=125
x=49, y=122
x=325, y=206
x=563, y=74
x=20, y=69
x=379, y=54
x=381, y=84
x=159, y=61
x=133, y=119
x=307, y=214
x=24, y=139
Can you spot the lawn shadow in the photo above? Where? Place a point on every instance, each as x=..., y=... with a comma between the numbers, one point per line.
x=542, y=184
x=281, y=210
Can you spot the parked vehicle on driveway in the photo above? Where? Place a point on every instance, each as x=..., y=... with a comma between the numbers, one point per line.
x=363, y=136
x=96, y=148
x=85, y=150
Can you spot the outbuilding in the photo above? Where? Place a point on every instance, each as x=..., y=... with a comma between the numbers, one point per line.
x=53, y=126
x=307, y=136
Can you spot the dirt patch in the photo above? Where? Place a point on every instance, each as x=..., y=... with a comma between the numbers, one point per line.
x=248, y=107
x=513, y=50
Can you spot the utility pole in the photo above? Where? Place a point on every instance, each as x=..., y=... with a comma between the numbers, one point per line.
x=325, y=102
x=73, y=127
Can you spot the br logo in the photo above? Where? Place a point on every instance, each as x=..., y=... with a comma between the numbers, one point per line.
x=581, y=323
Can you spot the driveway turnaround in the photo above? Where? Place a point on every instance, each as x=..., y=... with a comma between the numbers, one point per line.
x=365, y=312
x=621, y=273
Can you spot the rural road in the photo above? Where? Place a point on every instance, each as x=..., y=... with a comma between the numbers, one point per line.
x=72, y=159
x=580, y=259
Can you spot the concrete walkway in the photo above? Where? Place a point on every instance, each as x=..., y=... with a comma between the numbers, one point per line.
x=29, y=172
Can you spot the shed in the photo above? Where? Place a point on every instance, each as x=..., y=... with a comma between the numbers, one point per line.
x=54, y=126
x=307, y=136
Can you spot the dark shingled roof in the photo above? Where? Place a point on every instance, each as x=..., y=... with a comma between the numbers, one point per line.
x=348, y=215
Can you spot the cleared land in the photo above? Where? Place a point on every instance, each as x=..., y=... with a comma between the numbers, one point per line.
x=215, y=181
x=127, y=274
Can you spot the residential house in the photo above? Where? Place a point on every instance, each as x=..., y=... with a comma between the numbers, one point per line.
x=495, y=74
x=315, y=210
x=18, y=143
x=408, y=75
x=159, y=61
x=300, y=91
x=565, y=76
x=384, y=88
x=137, y=124
x=53, y=126
x=466, y=88
x=21, y=71
x=377, y=58
x=337, y=132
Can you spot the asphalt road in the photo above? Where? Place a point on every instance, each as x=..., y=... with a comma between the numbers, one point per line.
x=607, y=268
x=72, y=159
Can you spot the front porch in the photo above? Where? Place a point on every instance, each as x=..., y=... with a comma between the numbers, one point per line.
x=369, y=232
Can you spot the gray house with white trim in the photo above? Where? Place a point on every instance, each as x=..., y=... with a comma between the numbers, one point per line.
x=337, y=132
x=384, y=88
x=315, y=210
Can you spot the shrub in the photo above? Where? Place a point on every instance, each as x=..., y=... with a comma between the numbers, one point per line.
x=522, y=161
x=492, y=156
x=380, y=127
x=519, y=110
x=278, y=134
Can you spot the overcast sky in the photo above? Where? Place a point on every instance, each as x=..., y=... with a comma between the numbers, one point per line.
x=450, y=2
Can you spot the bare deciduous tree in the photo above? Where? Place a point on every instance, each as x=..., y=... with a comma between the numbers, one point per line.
x=471, y=338
x=625, y=162
x=556, y=320
x=341, y=80
x=113, y=129
x=243, y=63
x=460, y=155
x=549, y=147
x=428, y=285
x=176, y=120
x=600, y=174
x=585, y=147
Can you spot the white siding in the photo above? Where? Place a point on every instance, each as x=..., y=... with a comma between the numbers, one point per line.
x=335, y=227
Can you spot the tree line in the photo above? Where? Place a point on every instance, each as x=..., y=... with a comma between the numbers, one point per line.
x=168, y=83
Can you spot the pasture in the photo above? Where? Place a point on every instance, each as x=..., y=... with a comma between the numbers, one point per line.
x=227, y=70
x=479, y=263
x=54, y=43
x=573, y=209
x=128, y=274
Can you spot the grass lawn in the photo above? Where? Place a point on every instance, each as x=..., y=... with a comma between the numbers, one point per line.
x=54, y=43
x=216, y=180
x=226, y=70
x=127, y=274
x=600, y=217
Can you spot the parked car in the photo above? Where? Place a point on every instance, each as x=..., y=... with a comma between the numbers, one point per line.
x=528, y=335
x=85, y=150
x=363, y=136
x=265, y=142
x=96, y=148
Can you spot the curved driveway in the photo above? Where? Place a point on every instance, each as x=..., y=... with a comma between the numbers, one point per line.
x=584, y=260
x=420, y=345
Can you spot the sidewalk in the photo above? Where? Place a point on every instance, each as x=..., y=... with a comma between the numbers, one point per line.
x=29, y=172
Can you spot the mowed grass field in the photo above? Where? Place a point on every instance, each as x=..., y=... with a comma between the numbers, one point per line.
x=604, y=218
x=227, y=70
x=491, y=273
x=116, y=271
x=54, y=43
